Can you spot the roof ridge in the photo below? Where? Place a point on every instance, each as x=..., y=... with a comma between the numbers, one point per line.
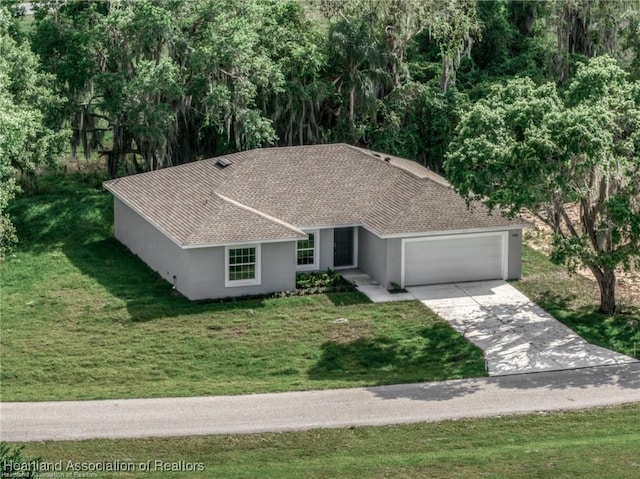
x=259, y=213
x=392, y=160
x=364, y=151
x=270, y=193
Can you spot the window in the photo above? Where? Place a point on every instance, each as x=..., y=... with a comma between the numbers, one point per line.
x=307, y=252
x=243, y=265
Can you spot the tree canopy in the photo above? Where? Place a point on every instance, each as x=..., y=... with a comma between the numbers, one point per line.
x=528, y=146
x=151, y=83
x=146, y=84
x=27, y=104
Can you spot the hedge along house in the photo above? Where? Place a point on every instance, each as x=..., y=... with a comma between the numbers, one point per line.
x=246, y=223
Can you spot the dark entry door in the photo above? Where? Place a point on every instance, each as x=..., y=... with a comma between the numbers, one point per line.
x=342, y=247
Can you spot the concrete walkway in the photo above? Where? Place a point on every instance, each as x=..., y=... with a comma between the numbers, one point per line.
x=518, y=394
x=516, y=335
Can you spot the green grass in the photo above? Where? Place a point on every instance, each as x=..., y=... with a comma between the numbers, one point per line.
x=573, y=299
x=587, y=444
x=26, y=24
x=84, y=318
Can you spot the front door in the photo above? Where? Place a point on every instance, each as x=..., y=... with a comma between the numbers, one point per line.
x=342, y=247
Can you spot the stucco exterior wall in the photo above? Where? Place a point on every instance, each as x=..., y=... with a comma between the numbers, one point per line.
x=394, y=261
x=372, y=256
x=326, y=249
x=147, y=242
x=514, y=270
x=205, y=272
x=199, y=273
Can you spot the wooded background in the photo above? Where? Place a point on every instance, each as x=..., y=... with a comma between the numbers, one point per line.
x=522, y=104
x=149, y=84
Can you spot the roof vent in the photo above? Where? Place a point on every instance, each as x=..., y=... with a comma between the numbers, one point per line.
x=387, y=159
x=223, y=162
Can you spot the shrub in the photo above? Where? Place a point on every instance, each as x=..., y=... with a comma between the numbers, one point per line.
x=322, y=282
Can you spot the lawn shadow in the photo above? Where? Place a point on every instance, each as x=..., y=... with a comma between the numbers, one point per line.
x=42, y=224
x=125, y=276
x=80, y=225
x=616, y=332
x=557, y=300
x=433, y=353
x=340, y=360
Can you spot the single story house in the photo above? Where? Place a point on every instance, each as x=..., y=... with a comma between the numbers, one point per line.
x=246, y=223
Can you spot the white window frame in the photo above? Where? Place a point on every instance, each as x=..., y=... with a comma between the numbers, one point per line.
x=241, y=282
x=316, y=253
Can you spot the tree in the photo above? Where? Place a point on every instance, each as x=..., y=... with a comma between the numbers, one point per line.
x=525, y=146
x=26, y=106
x=418, y=122
x=358, y=59
x=451, y=24
x=230, y=71
x=172, y=81
x=111, y=62
x=393, y=23
x=631, y=39
x=65, y=40
x=297, y=46
x=453, y=27
x=588, y=28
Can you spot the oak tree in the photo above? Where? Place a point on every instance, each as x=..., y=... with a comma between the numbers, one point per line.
x=526, y=146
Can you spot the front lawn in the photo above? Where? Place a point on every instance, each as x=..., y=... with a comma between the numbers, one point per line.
x=587, y=444
x=84, y=318
x=573, y=300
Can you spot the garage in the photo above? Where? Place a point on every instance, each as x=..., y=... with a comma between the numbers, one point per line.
x=448, y=259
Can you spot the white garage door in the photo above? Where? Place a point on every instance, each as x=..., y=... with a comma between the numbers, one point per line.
x=452, y=259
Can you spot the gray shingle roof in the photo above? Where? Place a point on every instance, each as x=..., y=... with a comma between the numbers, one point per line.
x=268, y=194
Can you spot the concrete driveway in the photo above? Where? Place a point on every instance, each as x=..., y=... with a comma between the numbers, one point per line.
x=516, y=335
